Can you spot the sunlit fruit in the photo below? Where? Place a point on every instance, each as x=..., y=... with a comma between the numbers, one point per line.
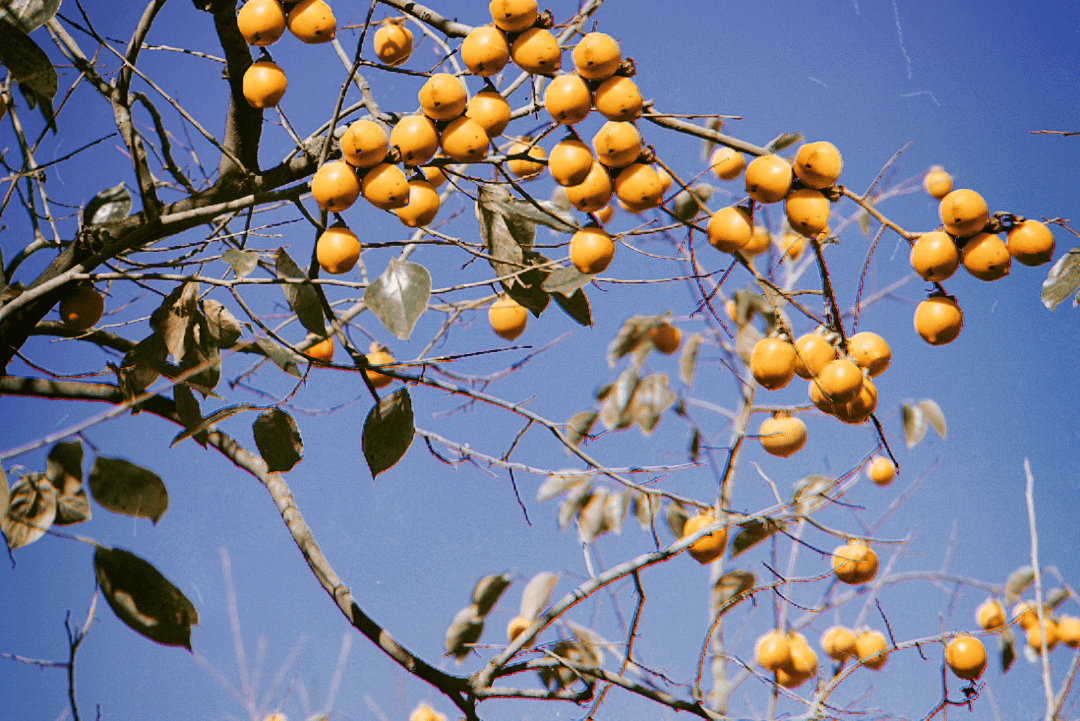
x=1025, y=614
x=605, y=214
x=768, y=178
x=870, y=647
x=423, y=712
x=1031, y=243
x=818, y=164
x=536, y=51
x=513, y=16
x=812, y=352
x=423, y=204
x=772, y=650
x=801, y=666
x=639, y=186
x=727, y=163
x=434, y=174
x=870, y=351
x=594, y=192
x=710, y=547
x=416, y=139
x=364, y=144
x=517, y=626
x=526, y=169
x=935, y=256
x=859, y=408
x=490, y=109
x=990, y=614
x=838, y=643
x=937, y=182
x=792, y=245
x=568, y=99
x=855, y=562
x=840, y=380
x=337, y=249
x=378, y=356
x=1068, y=628
x=386, y=187
x=335, y=187
x=323, y=350
x=485, y=51
x=963, y=212
x=938, y=319
x=820, y=401
x=773, y=362
x=443, y=97
x=1035, y=635
x=261, y=22
x=666, y=338
x=730, y=228
x=782, y=435
x=464, y=140
x=508, y=318
x=82, y=308
x=393, y=41
x=570, y=162
x=312, y=21
x=986, y=257
x=966, y=657
x=807, y=211
x=617, y=144
x=618, y=98
x=591, y=249
x=597, y=56
x=264, y=84
x=758, y=243
x=881, y=471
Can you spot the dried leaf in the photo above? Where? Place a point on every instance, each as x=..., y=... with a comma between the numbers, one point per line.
x=5, y=496
x=566, y=280
x=1019, y=581
x=633, y=333
x=549, y=214
x=187, y=407
x=144, y=364
x=579, y=426
x=745, y=339
x=28, y=15
x=688, y=358
x=123, y=487
x=676, y=517
x=1054, y=599
x=559, y=483
x=243, y=262
x=1007, y=643
x=216, y=417
x=302, y=297
x=752, y=533
x=506, y=248
x=575, y=501
x=932, y=413
x=225, y=329
x=64, y=472
x=786, y=140
x=615, y=412
x=695, y=445
x=563, y=676
x=282, y=358
x=388, y=431
x=914, y=424
x=1063, y=280
x=487, y=591
x=731, y=585
x=645, y=509
x=31, y=510
x=278, y=439
x=651, y=398
x=107, y=206
x=591, y=518
x=464, y=631
x=537, y=594
x=399, y=296
x=174, y=317
x=615, y=510
x=30, y=67
x=808, y=493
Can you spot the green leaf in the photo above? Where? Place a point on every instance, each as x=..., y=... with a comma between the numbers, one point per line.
x=30, y=67
x=399, y=296
x=1063, y=279
x=108, y=205
x=576, y=306
x=241, y=261
x=933, y=414
x=506, y=248
x=566, y=280
x=278, y=439
x=302, y=298
x=143, y=598
x=688, y=358
x=31, y=511
x=28, y=15
x=1018, y=582
x=487, y=591
x=914, y=424
x=731, y=585
x=388, y=431
x=281, y=357
x=123, y=487
x=752, y=533
x=64, y=472
x=216, y=417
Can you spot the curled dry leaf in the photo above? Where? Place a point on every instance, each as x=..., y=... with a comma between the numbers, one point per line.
x=559, y=483
x=64, y=471
x=537, y=593
x=591, y=519
x=1019, y=581
x=676, y=517
x=31, y=511
x=487, y=591
x=731, y=585
x=575, y=501
x=464, y=631
x=615, y=510
x=688, y=358
x=934, y=415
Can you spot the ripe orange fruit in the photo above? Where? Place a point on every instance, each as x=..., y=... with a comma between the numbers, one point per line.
x=819, y=400
x=570, y=162
x=990, y=615
x=364, y=144
x=801, y=666
x=423, y=712
x=605, y=214
x=386, y=187
x=536, y=51
x=618, y=98
x=617, y=144
x=485, y=51
x=937, y=182
x=264, y=84
x=759, y=242
x=378, y=356
x=1035, y=635
x=526, y=169
x=464, y=140
x=812, y=352
x=966, y=657
x=792, y=245
x=935, y=256
x=568, y=99
x=594, y=192
x=312, y=21
x=666, y=338
x=772, y=650
x=807, y=211
x=261, y=22
x=872, y=649
x=337, y=249
x=730, y=229
x=840, y=380
x=597, y=56
x=1068, y=628
x=773, y=362
x=782, y=435
x=591, y=250
x=490, y=109
x=709, y=548
x=508, y=319
x=517, y=625
x=727, y=163
x=859, y=408
x=335, y=187
x=1025, y=614
x=938, y=320
x=416, y=139
x=870, y=351
x=423, y=204
x=986, y=257
x=513, y=16
x=82, y=308
x=323, y=350
x=639, y=186
x=881, y=471
x=963, y=212
x=855, y=562
x=838, y=643
x=443, y=97
x=768, y=178
x=393, y=41
x=818, y=164
x=434, y=174
x=1031, y=243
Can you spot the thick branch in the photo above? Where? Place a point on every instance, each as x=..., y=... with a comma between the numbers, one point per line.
x=243, y=126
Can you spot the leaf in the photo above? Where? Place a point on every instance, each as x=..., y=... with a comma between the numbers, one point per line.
x=31, y=511
x=752, y=533
x=1018, y=582
x=579, y=495
x=174, y=317
x=241, y=261
x=651, y=398
x=914, y=424
x=143, y=598
x=615, y=510
x=506, y=239
x=216, y=417
x=487, y=591
x=809, y=493
x=558, y=484
x=566, y=280
x=1063, y=279
x=529, y=291
x=281, y=357
x=302, y=297
x=591, y=518
x=5, y=496
x=695, y=445
x=399, y=296
x=187, y=408
x=786, y=140
x=676, y=517
x=579, y=426
x=731, y=585
x=552, y=215
x=688, y=358
x=537, y=593
x=1054, y=599
x=388, y=431
x=108, y=205
x=464, y=631
x=144, y=364
x=645, y=508
x=202, y=357
x=30, y=67
x=28, y=15
x=633, y=332
x=278, y=439
x=123, y=487
x=576, y=306
x=64, y=472
x=1007, y=643
x=225, y=329
x=932, y=413
x=745, y=339
x=614, y=411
